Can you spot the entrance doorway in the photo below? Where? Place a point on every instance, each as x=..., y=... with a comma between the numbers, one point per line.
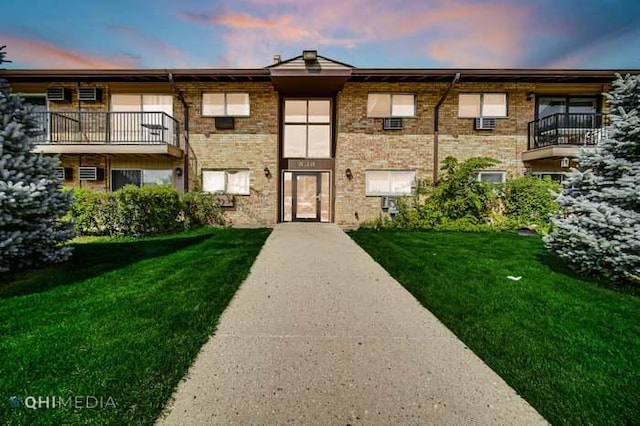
x=306, y=196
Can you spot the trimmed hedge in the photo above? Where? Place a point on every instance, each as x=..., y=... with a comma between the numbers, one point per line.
x=139, y=211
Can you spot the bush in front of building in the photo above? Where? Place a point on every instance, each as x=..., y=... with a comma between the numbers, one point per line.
x=138, y=211
x=202, y=209
x=530, y=202
x=459, y=202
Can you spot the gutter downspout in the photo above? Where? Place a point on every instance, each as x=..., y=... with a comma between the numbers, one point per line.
x=185, y=108
x=436, y=120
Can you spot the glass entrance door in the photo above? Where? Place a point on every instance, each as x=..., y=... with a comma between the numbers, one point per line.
x=306, y=196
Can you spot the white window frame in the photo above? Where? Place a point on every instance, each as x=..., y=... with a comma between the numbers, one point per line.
x=481, y=105
x=370, y=193
x=502, y=173
x=540, y=175
x=225, y=105
x=390, y=114
x=227, y=172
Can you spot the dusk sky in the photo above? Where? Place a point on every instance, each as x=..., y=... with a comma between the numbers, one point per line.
x=363, y=33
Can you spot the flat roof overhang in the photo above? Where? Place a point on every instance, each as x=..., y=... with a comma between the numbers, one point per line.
x=110, y=149
x=553, y=151
x=309, y=82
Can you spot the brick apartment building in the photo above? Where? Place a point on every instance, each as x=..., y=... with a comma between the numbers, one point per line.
x=310, y=138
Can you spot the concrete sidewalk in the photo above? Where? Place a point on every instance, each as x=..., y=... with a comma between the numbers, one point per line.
x=320, y=334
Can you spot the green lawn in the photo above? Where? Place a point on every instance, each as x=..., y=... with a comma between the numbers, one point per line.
x=123, y=320
x=569, y=347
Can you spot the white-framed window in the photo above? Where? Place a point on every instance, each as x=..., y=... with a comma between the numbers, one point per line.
x=225, y=105
x=472, y=105
x=307, y=128
x=140, y=177
x=554, y=176
x=385, y=105
x=226, y=181
x=389, y=182
x=492, y=176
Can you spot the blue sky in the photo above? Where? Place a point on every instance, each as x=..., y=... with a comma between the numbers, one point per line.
x=364, y=33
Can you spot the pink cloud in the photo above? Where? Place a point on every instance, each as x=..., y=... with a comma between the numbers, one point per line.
x=455, y=32
x=42, y=54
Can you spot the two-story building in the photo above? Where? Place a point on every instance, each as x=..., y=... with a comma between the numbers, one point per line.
x=309, y=138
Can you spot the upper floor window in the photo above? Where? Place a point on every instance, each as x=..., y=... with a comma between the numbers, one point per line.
x=550, y=105
x=142, y=103
x=385, y=105
x=473, y=105
x=225, y=104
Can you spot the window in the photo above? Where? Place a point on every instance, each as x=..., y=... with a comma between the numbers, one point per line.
x=140, y=118
x=389, y=182
x=472, y=105
x=225, y=104
x=138, y=177
x=549, y=105
x=491, y=177
x=227, y=181
x=554, y=176
x=385, y=105
x=307, y=128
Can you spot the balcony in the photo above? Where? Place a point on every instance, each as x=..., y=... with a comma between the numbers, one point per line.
x=563, y=134
x=106, y=132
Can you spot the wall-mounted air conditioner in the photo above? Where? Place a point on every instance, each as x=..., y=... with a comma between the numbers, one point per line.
x=484, y=123
x=392, y=123
x=58, y=94
x=64, y=173
x=225, y=123
x=89, y=94
x=90, y=173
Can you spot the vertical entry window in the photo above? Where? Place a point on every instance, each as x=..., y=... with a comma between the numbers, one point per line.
x=307, y=128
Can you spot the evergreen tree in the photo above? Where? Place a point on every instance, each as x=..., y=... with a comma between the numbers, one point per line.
x=599, y=232
x=31, y=200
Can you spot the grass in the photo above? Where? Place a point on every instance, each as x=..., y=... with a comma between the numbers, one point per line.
x=123, y=319
x=570, y=347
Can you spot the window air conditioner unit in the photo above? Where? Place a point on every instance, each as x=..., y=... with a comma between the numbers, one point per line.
x=90, y=173
x=388, y=203
x=225, y=123
x=484, y=123
x=58, y=94
x=89, y=94
x=60, y=173
x=392, y=123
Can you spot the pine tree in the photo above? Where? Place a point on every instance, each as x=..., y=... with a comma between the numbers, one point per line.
x=599, y=232
x=31, y=200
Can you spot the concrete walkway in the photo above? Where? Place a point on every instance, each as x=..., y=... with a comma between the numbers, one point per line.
x=320, y=334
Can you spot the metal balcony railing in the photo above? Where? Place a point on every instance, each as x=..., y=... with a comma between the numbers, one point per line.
x=568, y=129
x=106, y=127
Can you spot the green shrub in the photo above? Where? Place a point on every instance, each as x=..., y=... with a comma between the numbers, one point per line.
x=130, y=211
x=91, y=211
x=530, y=201
x=201, y=209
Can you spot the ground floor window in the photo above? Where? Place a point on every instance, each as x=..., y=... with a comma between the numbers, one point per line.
x=139, y=177
x=227, y=181
x=389, y=182
x=492, y=176
x=554, y=176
